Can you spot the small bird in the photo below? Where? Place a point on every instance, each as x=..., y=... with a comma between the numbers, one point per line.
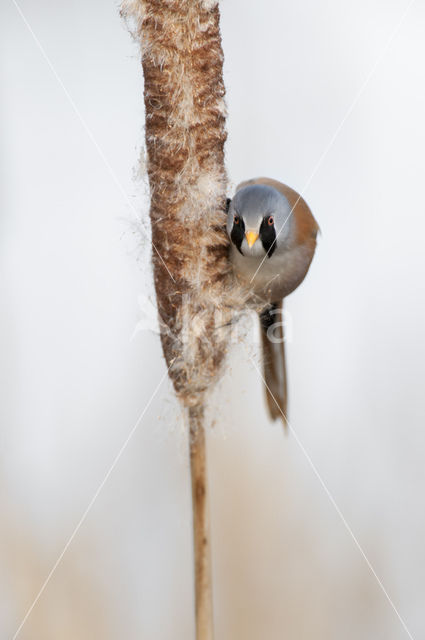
x=273, y=239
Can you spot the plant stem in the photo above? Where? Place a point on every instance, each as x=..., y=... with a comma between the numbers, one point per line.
x=201, y=539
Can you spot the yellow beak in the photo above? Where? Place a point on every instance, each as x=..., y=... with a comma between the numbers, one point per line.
x=251, y=238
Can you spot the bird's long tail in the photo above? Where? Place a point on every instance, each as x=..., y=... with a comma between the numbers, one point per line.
x=274, y=366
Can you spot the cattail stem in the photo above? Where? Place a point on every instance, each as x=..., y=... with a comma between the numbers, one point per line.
x=185, y=114
x=201, y=537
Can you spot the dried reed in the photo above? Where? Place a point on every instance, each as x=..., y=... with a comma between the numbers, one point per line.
x=185, y=133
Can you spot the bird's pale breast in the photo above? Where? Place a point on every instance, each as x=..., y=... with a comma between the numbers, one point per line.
x=275, y=277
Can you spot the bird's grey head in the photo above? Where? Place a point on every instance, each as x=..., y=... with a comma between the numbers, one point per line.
x=257, y=220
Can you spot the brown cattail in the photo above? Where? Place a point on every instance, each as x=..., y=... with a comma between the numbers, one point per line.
x=185, y=133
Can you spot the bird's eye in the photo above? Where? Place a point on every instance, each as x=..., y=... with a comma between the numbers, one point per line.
x=236, y=219
x=270, y=221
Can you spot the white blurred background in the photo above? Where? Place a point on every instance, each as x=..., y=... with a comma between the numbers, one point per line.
x=77, y=368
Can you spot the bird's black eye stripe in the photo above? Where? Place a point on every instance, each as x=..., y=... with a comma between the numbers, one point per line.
x=268, y=236
x=238, y=232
